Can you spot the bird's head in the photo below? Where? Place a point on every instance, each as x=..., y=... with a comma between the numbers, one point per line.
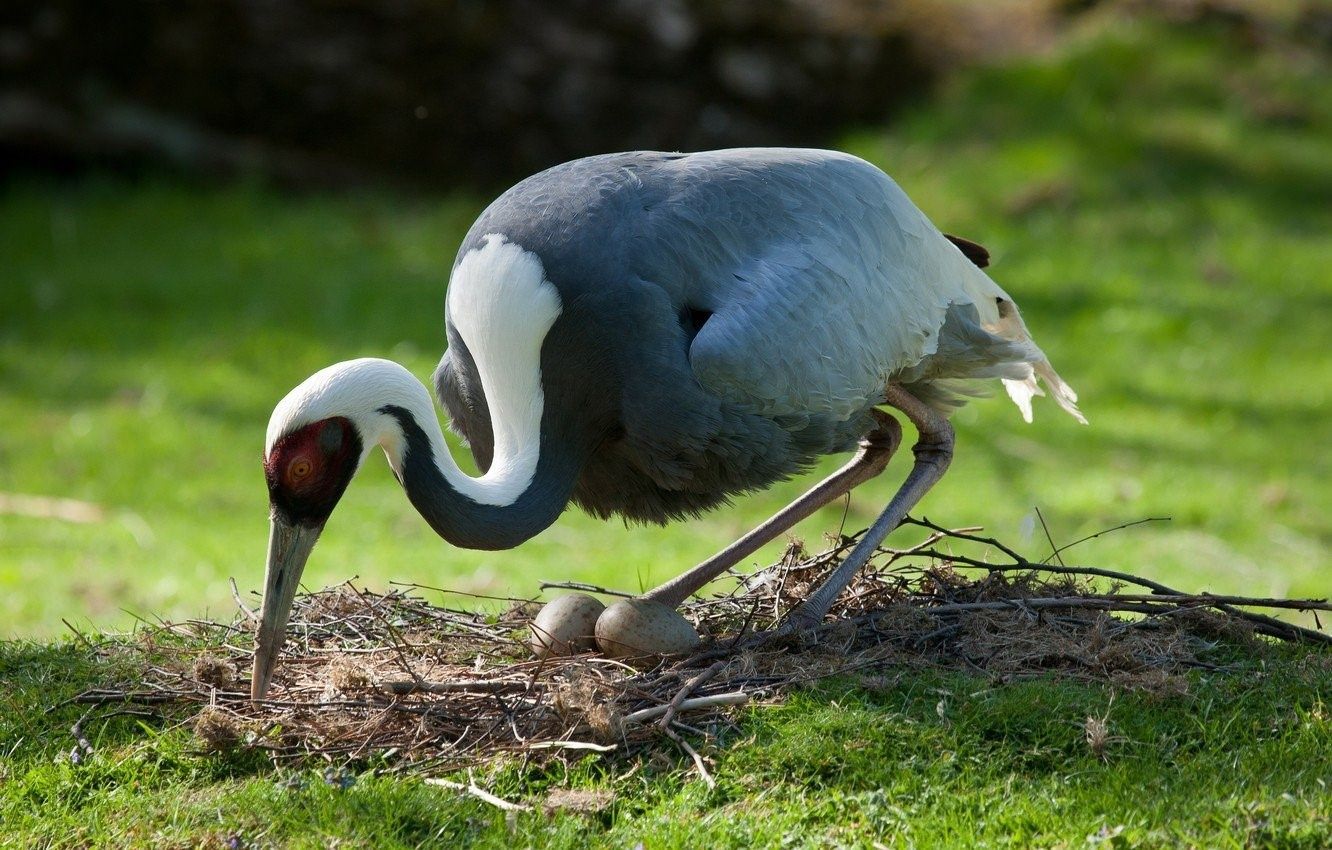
x=308, y=469
x=321, y=433
x=318, y=437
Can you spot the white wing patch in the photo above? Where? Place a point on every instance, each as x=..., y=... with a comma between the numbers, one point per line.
x=502, y=305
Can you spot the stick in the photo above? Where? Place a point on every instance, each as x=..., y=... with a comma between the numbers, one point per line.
x=744, y=627
x=1119, y=527
x=963, y=535
x=571, y=745
x=1216, y=600
x=1262, y=623
x=414, y=586
x=646, y=714
x=395, y=639
x=480, y=793
x=83, y=639
x=588, y=588
x=689, y=687
x=104, y=697
x=693, y=754
x=1054, y=548
x=246, y=610
x=421, y=686
x=1141, y=605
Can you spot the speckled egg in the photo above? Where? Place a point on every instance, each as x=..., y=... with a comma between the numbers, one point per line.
x=565, y=626
x=638, y=627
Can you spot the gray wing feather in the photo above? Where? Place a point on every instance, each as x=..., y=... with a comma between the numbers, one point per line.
x=824, y=280
x=820, y=282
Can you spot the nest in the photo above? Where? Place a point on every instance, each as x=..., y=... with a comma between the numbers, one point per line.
x=397, y=678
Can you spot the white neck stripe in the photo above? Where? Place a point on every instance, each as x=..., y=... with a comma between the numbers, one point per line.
x=501, y=304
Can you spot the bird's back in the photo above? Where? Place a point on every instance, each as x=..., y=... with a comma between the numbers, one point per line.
x=758, y=301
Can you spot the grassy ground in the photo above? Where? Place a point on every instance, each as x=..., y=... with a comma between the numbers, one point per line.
x=914, y=759
x=1163, y=216
x=1160, y=204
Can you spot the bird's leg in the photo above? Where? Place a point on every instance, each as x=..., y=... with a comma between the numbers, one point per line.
x=875, y=450
x=934, y=451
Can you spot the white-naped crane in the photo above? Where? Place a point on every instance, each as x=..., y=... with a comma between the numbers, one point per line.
x=649, y=334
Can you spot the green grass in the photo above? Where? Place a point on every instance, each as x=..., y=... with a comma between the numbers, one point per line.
x=1159, y=202
x=1167, y=240
x=921, y=759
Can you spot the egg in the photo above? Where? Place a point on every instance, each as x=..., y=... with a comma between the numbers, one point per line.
x=565, y=626
x=636, y=627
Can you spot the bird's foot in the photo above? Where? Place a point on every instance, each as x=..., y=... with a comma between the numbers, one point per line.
x=798, y=621
x=795, y=628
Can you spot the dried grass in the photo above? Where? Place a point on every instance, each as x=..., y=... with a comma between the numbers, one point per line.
x=438, y=688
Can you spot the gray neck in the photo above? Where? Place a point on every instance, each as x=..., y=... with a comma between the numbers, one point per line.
x=470, y=524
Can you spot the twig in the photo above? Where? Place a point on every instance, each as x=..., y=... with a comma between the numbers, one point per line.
x=445, y=590
x=689, y=687
x=586, y=588
x=572, y=745
x=244, y=609
x=646, y=714
x=1119, y=527
x=938, y=634
x=846, y=511
x=965, y=535
x=1136, y=603
x=480, y=793
x=1089, y=602
x=421, y=686
x=396, y=639
x=744, y=627
x=1211, y=600
x=1262, y=623
x=82, y=638
x=693, y=754
x=1054, y=549
x=105, y=696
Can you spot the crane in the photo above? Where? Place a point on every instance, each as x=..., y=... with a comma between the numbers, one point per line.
x=650, y=334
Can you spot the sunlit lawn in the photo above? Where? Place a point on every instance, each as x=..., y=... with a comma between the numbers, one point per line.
x=1158, y=201
x=1164, y=219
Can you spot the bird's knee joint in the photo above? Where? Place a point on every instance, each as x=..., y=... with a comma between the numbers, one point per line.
x=886, y=436
x=934, y=452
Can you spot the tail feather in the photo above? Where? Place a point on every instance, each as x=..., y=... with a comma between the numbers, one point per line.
x=1064, y=395
x=1022, y=391
x=983, y=336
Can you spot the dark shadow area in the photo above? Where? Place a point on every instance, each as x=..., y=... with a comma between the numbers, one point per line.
x=425, y=93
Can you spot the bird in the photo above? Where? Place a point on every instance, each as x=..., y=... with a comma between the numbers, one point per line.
x=650, y=335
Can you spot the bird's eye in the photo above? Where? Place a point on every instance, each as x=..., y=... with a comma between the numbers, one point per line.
x=300, y=469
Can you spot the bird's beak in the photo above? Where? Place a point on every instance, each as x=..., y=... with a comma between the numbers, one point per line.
x=289, y=547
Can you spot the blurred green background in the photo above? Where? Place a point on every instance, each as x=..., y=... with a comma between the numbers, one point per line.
x=1153, y=180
